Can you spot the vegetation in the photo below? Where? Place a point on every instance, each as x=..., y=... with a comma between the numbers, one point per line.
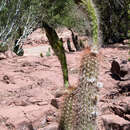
x=107, y=19
x=79, y=112
x=92, y=16
x=114, y=19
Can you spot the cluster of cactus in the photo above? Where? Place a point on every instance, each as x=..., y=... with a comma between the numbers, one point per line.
x=79, y=111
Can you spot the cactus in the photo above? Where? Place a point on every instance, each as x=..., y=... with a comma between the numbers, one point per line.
x=58, y=49
x=93, y=18
x=79, y=111
x=48, y=53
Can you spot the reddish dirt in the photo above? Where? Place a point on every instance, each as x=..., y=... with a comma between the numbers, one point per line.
x=29, y=83
x=114, y=96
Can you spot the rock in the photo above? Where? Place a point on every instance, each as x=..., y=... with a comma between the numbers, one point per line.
x=126, y=41
x=59, y=93
x=2, y=127
x=25, y=126
x=54, y=102
x=25, y=64
x=124, y=86
x=114, y=122
x=115, y=70
x=2, y=56
x=50, y=118
x=127, y=116
x=21, y=102
x=124, y=62
x=52, y=126
x=8, y=79
x=123, y=70
x=121, y=110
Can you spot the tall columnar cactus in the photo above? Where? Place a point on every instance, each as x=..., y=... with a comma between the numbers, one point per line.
x=58, y=48
x=93, y=19
x=79, y=111
x=114, y=19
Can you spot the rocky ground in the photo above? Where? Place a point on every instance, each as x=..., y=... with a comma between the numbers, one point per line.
x=114, y=96
x=29, y=83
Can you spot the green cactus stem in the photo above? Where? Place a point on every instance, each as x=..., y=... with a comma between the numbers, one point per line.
x=58, y=48
x=92, y=16
x=79, y=111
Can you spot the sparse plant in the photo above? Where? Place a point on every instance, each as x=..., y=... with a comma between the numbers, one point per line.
x=41, y=54
x=3, y=47
x=48, y=53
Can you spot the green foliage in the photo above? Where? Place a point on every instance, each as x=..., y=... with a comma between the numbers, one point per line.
x=27, y=14
x=13, y=14
x=92, y=18
x=113, y=19
x=3, y=47
x=58, y=49
x=41, y=55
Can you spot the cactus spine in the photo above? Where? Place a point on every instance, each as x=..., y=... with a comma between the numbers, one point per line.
x=80, y=106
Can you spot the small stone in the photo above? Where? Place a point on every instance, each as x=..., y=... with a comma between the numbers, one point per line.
x=124, y=70
x=124, y=62
x=25, y=126
x=59, y=93
x=21, y=103
x=115, y=70
x=114, y=122
x=124, y=86
x=50, y=118
x=54, y=103
x=52, y=126
x=99, y=84
x=127, y=116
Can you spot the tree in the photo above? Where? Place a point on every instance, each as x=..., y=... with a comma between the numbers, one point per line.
x=31, y=14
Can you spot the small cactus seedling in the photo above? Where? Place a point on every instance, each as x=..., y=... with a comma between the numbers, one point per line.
x=48, y=53
x=41, y=55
